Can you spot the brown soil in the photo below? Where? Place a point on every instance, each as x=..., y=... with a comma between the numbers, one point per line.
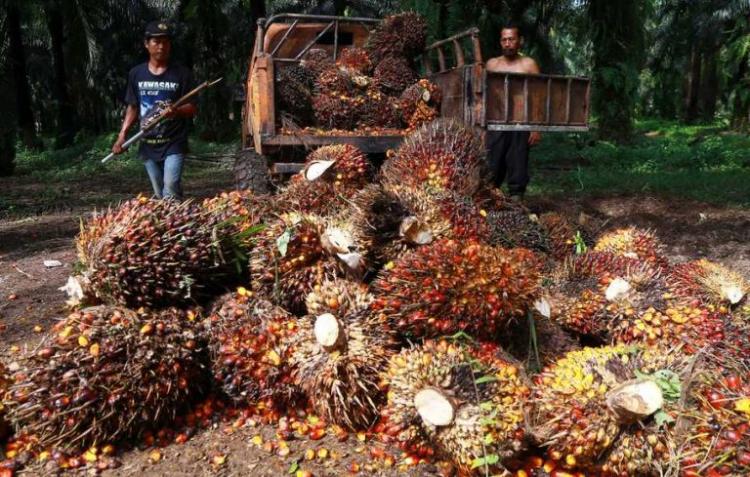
x=29, y=297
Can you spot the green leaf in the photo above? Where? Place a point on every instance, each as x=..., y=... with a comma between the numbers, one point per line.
x=486, y=406
x=581, y=246
x=490, y=459
x=488, y=439
x=294, y=467
x=461, y=335
x=283, y=241
x=661, y=417
x=485, y=379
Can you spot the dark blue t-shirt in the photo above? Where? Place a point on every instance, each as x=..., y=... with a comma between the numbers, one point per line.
x=151, y=93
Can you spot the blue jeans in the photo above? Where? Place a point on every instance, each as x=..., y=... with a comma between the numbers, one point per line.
x=166, y=176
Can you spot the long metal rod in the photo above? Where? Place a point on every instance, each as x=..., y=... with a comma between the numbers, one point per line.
x=315, y=40
x=548, y=106
x=302, y=16
x=457, y=36
x=507, y=98
x=526, y=100
x=283, y=38
x=499, y=126
x=335, y=41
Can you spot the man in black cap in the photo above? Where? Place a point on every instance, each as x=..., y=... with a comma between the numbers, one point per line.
x=152, y=88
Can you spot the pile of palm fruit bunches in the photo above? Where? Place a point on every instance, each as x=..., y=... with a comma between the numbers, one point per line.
x=416, y=303
x=374, y=87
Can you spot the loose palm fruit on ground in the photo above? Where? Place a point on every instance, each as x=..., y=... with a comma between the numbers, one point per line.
x=465, y=401
x=288, y=261
x=609, y=409
x=337, y=361
x=105, y=374
x=403, y=35
x=707, y=281
x=157, y=253
x=441, y=155
x=332, y=175
x=635, y=243
x=249, y=354
x=451, y=285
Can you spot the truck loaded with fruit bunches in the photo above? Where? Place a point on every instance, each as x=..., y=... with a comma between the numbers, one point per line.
x=317, y=80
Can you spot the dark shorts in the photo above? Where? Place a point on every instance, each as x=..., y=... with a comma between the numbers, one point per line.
x=508, y=159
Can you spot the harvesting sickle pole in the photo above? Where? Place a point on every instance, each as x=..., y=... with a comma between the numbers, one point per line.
x=162, y=115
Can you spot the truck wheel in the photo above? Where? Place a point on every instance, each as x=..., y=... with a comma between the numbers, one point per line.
x=251, y=172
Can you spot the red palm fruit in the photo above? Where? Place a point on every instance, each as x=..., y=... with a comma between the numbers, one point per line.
x=249, y=354
x=355, y=59
x=419, y=104
x=452, y=285
x=634, y=243
x=708, y=282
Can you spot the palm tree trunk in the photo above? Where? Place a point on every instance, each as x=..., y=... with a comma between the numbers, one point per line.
x=17, y=55
x=67, y=124
x=709, y=91
x=693, y=85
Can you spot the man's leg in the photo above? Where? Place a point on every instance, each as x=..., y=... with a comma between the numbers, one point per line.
x=497, y=145
x=173, y=176
x=155, y=171
x=517, y=163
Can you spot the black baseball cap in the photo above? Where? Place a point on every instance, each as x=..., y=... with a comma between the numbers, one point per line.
x=158, y=28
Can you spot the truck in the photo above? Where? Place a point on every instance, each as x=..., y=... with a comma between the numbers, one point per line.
x=484, y=100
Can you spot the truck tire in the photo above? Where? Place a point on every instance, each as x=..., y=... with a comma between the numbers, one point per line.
x=251, y=172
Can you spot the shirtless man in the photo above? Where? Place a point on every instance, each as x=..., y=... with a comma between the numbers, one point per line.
x=508, y=151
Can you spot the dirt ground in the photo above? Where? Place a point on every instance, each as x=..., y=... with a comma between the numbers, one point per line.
x=29, y=298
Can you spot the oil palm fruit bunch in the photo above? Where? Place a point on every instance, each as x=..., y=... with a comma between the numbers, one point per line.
x=332, y=175
x=466, y=401
x=339, y=82
x=420, y=103
x=338, y=297
x=403, y=35
x=157, y=253
x=352, y=252
x=241, y=212
x=108, y=373
x=295, y=86
x=355, y=59
x=393, y=75
x=635, y=243
x=441, y=155
x=537, y=466
x=709, y=282
x=561, y=234
x=335, y=112
x=377, y=110
x=249, y=355
x=716, y=440
x=4, y=383
x=451, y=285
x=608, y=410
x=316, y=61
x=514, y=226
x=337, y=361
x=289, y=260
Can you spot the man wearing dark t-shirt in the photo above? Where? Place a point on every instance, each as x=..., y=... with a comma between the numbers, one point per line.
x=152, y=88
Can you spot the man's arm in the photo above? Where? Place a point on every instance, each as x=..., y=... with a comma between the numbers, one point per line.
x=131, y=115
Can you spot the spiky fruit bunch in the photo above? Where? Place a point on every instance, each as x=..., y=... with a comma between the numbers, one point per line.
x=337, y=360
x=420, y=103
x=606, y=409
x=561, y=235
x=294, y=88
x=109, y=373
x=452, y=285
x=635, y=243
x=716, y=415
x=377, y=110
x=355, y=59
x=240, y=213
x=338, y=297
x=465, y=401
x=401, y=35
x=156, y=253
x=515, y=227
x=538, y=342
x=393, y=75
x=289, y=260
x=708, y=281
x=316, y=61
x=332, y=175
x=340, y=239
x=335, y=112
x=335, y=81
x=249, y=354
x=441, y=155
